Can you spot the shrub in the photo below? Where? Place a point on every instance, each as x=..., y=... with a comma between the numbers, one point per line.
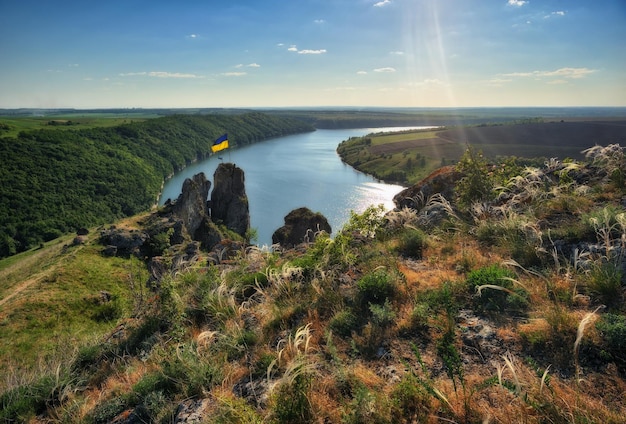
x=612, y=327
x=605, y=282
x=476, y=185
x=412, y=243
x=495, y=290
x=291, y=400
x=343, y=323
x=382, y=315
x=410, y=400
x=376, y=287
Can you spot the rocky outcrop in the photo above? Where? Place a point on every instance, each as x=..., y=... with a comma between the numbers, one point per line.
x=191, y=206
x=301, y=225
x=122, y=242
x=229, y=202
x=440, y=181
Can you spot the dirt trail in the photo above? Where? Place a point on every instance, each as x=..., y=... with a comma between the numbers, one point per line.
x=24, y=273
x=19, y=288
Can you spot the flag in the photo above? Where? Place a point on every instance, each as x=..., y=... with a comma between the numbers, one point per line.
x=220, y=144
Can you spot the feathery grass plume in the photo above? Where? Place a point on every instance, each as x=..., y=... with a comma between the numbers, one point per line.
x=509, y=363
x=612, y=159
x=404, y=217
x=580, y=332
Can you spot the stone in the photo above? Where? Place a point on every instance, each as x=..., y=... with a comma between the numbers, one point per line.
x=126, y=242
x=229, y=202
x=301, y=225
x=441, y=181
x=191, y=206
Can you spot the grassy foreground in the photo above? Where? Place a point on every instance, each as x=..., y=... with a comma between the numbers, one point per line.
x=502, y=302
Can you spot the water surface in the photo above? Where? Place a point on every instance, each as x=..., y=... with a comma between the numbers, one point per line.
x=290, y=172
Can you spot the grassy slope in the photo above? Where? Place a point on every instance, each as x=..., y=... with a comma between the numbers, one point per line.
x=381, y=324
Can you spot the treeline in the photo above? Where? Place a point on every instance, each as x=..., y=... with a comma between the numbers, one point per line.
x=53, y=182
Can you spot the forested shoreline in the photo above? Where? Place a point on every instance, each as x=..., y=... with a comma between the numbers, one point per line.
x=56, y=181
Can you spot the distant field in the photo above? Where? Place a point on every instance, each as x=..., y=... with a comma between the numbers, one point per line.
x=554, y=139
x=11, y=126
x=409, y=156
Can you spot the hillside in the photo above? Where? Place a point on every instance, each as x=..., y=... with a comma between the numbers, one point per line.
x=54, y=181
x=492, y=294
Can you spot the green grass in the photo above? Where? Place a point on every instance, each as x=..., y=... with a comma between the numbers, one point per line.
x=62, y=300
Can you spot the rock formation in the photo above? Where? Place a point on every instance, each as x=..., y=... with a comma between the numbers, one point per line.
x=229, y=202
x=440, y=181
x=191, y=206
x=301, y=225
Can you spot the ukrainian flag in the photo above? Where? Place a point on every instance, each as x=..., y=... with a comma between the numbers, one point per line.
x=220, y=144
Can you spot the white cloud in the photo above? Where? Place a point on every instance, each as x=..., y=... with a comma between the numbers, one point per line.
x=253, y=65
x=73, y=65
x=193, y=35
x=292, y=48
x=397, y=53
x=239, y=66
x=569, y=73
x=382, y=3
x=553, y=14
x=159, y=74
x=385, y=70
x=361, y=73
x=133, y=74
x=517, y=3
x=234, y=74
x=319, y=21
x=320, y=51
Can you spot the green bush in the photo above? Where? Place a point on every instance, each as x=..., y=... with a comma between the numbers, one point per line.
x=605, y=283
x=344, y=323
x=412, y=243
x=495, y=291
x=612, y=327
x=376, y=287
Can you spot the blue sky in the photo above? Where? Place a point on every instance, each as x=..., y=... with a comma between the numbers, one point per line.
x=393, y=53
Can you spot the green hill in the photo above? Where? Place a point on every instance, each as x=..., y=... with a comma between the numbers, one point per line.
x=55, y=181
x=499, y=298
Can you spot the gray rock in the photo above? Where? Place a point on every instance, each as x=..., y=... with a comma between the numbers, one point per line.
x=301, y=225
x=229, y=202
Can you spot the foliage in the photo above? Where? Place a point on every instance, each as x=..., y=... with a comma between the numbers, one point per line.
x=412, y=243
x=495, y=291
x=476, y=185
x=376, y=287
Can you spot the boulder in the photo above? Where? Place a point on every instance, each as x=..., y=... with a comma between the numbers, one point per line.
x=440, y=181
x=301, y=225
x=122, y=242
x=229, y=202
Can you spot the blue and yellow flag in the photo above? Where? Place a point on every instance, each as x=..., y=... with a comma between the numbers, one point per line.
x=220, y=144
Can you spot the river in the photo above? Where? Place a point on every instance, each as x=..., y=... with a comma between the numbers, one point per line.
x=301, y=170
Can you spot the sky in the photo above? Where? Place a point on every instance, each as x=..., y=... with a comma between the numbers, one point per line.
x=299, y=53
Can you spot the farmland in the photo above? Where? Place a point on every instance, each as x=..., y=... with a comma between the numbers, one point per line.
x=409, y=156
